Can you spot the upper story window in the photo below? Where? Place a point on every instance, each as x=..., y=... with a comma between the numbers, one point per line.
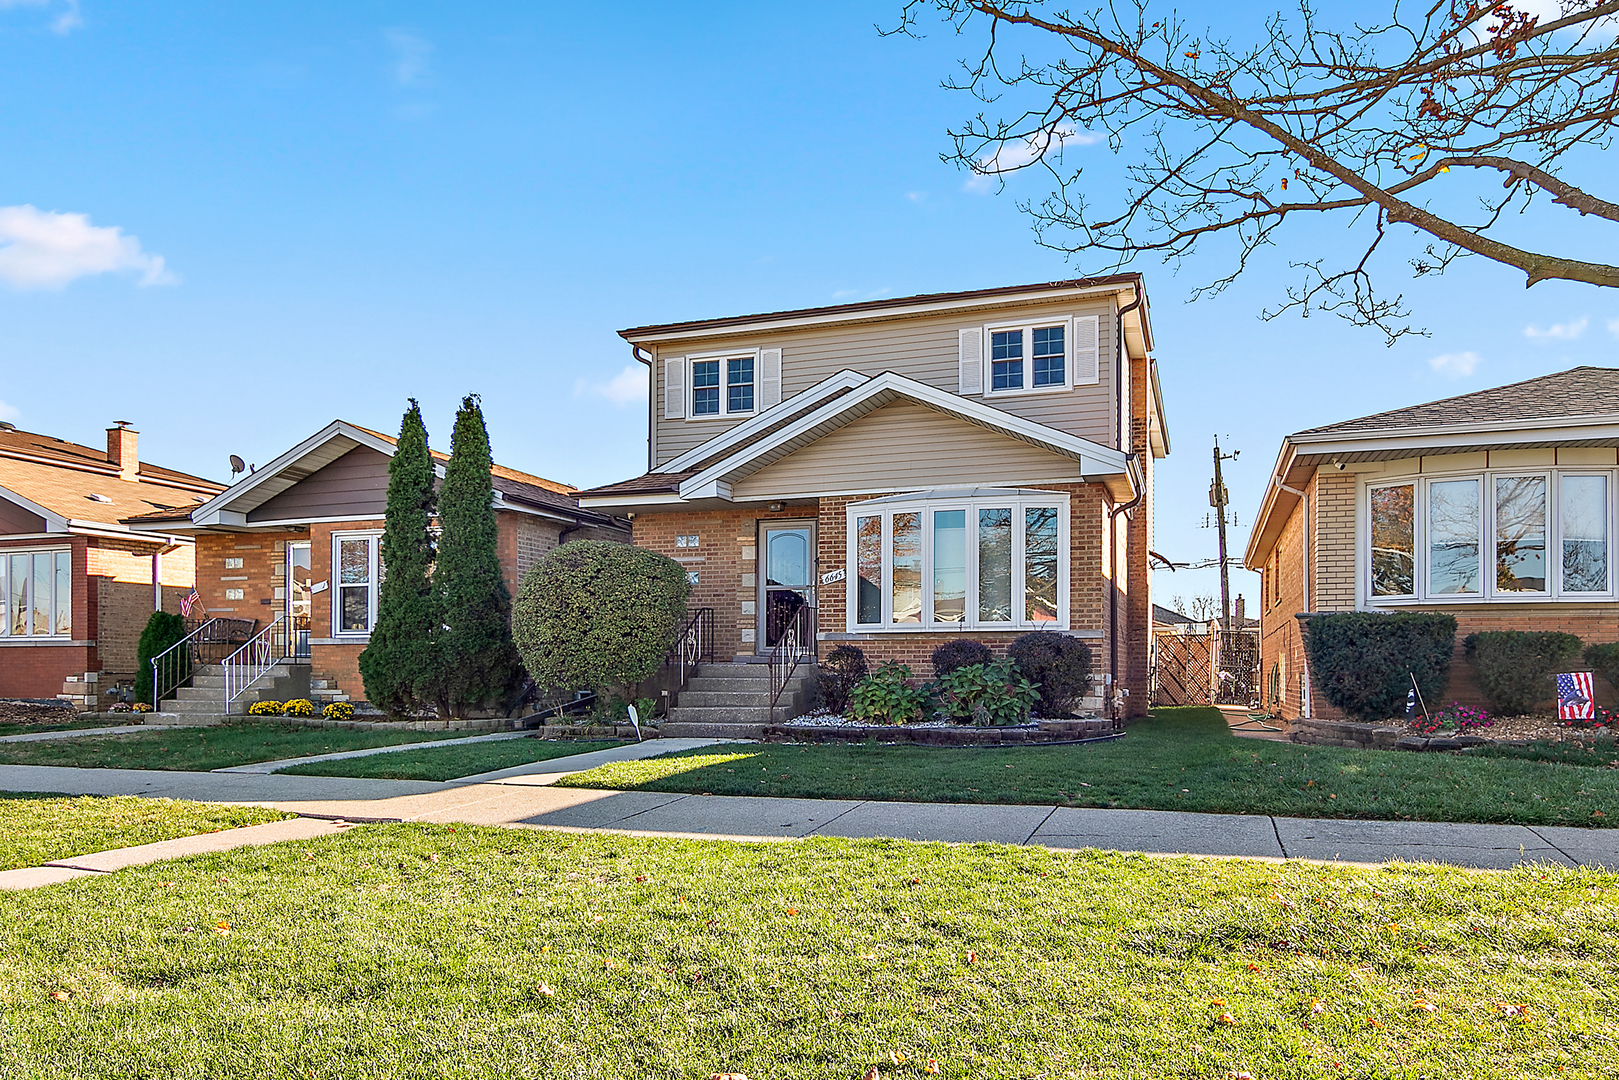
x=1040, y=355
x=1497, y=535
x=36, y=593
x=698, y=387
x=986, y=562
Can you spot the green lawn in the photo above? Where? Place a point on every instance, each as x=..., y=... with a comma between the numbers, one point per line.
x=204, y=748
x=432, y=951
x=1598, y=751
x=29, y=729
x=450, y=762
x=35, y=829
x=1182, y=759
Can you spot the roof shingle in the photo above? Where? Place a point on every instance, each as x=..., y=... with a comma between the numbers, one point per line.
x=1581, y=391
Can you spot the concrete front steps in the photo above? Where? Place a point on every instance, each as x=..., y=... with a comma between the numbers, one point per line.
x=203, y=702
x=733, y=701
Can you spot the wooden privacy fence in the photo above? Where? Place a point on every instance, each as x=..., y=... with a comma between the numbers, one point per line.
x=1219, y=667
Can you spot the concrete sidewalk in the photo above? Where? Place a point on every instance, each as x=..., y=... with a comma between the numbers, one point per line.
x=527, y=801
x=79, y=733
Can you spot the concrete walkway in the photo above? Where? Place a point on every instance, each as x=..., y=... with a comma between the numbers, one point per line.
x=265, y=767
x=78, y=733
x=528, y=800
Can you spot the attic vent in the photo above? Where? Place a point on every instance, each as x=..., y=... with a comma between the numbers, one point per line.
x=98, y=498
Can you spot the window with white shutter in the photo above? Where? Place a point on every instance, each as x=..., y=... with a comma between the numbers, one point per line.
x=769, y=377
x=1087, y=350
x=970, y=348
x=674, y=388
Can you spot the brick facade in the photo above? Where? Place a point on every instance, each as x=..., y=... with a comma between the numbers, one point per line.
x=726, y=562
x=113, y=596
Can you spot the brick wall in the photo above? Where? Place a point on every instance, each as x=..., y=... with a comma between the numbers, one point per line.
x=1332, y=510
x=262, y=577
x=1281, y=646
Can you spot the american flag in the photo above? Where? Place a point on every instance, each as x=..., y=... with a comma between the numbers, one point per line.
x=1574, y=696
x=185, y=605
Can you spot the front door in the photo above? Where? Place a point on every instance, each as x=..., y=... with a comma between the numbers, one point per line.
x=786, y=578
x=298, y=593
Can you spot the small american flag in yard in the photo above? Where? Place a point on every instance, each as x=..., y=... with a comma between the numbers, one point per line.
x=185, y=605
x=1574, y=696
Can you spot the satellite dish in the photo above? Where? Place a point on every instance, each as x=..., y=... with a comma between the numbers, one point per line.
x=237, y=465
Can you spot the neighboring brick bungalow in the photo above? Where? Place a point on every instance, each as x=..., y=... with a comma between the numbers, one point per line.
x=1496, y=506
x=296, y=543
x=911, y=472
x=77, y=585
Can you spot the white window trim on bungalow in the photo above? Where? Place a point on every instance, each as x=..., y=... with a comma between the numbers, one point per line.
x=58, y=563
x=928, y=504
x=1485, y=534
x=679, y=391
x=1082, y=355
x=372, y=584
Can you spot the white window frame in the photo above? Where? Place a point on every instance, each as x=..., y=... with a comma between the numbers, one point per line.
x=5, y=593
x=1028, y=327
x=1488, y=593
x=335, y=588
x=725, y=393
x=1018, y=504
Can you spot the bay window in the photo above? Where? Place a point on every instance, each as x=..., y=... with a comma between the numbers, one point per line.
x=36, y=593
x=985, y=560
x=1497, y=535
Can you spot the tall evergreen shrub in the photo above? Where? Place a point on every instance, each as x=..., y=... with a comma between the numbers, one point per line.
x=399, y=664
x=478, y=664
x=162, y=631
x=1514, y=667
x=1363, y=662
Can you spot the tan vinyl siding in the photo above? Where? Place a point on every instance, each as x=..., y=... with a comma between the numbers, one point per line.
x=905, y=447
x=922, y=348
x=354, y=486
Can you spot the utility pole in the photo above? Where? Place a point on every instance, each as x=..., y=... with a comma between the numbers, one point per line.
x=1218, y=498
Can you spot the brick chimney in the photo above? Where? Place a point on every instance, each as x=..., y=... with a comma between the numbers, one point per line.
x=1241, y=612
x=121, y=450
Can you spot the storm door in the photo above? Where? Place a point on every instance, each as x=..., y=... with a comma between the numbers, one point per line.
x=786, y=578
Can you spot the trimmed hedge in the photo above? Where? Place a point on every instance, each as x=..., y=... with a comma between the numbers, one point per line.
x=1059, y=665
x=843, y=669
x=599, y=615
x=1363, y=662
x=1514, y=667
x=1604, y=660
x=960, y=653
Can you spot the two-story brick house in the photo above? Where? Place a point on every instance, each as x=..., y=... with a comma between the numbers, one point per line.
x=77, y=584
x=974, y=464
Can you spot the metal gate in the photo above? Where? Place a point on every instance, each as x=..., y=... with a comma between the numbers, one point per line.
x=1238, y=664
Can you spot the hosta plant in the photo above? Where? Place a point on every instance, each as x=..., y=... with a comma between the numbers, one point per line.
x=887, y=697
x=988, y=695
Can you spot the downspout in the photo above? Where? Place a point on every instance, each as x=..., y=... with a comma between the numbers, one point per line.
x=1121, y=361
x=651, y=398
x=1304, y=558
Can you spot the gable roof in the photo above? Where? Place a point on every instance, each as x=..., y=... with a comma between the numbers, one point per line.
x=1578, y=392
x=514, y=489
x=787, y=427
x=70, y=486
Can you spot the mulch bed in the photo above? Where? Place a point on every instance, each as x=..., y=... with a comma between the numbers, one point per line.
x=28, y=712
x=1534, y=728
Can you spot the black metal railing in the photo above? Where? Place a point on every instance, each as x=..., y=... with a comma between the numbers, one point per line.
x=694, y=646
x=796, y=641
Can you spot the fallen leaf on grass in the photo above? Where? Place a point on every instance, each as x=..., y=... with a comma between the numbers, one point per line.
x=1423, y=1006
x=1317, y=1006
x=222, y=927
x=729, y=1076
x=60, y=995
x=972, y=957
x=872, y=1074
x=1509, y=1009
x=792, y=911
x=1225, y=1018
x=896, y=1056
x=932, y=1066
x=545, y=988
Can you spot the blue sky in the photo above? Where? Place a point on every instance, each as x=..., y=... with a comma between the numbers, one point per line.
x=325, y=209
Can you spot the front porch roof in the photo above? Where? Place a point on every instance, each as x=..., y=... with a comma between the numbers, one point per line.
x=788, y=427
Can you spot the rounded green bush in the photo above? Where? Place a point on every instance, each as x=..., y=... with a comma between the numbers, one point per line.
x=963, y=652
x=599, y=615
x=1059, y=665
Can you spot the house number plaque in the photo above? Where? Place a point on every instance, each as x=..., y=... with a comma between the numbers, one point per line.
x=832, y=575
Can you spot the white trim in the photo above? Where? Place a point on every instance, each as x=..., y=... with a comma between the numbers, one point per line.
x=721, y=358
x=928, y=504
x=53, y=550
x=843, y=380
x=374, y=584
x=767, y=324
x=1488, y=594
x=1107, y=461
x=608, y=502
x=1026, y=328
x=54, y=522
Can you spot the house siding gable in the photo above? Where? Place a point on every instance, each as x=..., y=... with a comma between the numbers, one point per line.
x=353, y=486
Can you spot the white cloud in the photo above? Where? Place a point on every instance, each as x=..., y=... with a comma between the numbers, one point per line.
x=1455, y=365
x=1009, y=157
x=1567, y=331
x=411, y=54
x=916, y=196
x=626, y=388
x=67, y=19
x=9, y=412
x=42, y=249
